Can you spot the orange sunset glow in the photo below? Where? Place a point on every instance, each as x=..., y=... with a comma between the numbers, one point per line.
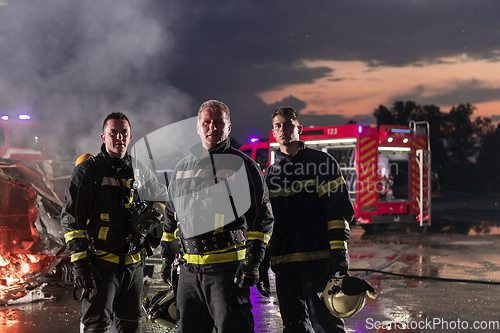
x=354, y=88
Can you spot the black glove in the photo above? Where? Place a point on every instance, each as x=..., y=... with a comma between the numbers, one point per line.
x=247, y=274
x=338, y=262
x=85, y=274
x=263, y=285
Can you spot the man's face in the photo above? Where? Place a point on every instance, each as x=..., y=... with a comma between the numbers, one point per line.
x=213, y=127
x=286, y=130
x=116, y=137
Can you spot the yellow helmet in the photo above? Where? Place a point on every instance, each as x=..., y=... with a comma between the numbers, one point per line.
x=83, y=158
x=346, y=296
x=161, y=308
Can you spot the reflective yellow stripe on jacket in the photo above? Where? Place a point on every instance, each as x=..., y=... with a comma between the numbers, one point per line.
x=131, y=259
x=338, y=224
x=255, y=235
x=330, y=186
x=74, y=234
x=167, y=237
x=217, y=257
x=300, y=256
x=334, y=245
x=78, y=256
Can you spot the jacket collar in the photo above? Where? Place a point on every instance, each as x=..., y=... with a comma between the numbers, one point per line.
x=280, y=156
x=115, y=161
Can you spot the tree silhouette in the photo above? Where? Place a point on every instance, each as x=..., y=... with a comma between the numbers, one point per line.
x=384, y=116
x=436, y=119
x=488, y=135
x=402, y=113
x=489, y=157
x=460, y=132
x=456, y=141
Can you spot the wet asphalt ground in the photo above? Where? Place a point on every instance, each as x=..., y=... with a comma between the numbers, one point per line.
x=451, y=250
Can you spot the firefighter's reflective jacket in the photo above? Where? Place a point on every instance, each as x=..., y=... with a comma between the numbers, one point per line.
x=99, y=203
x=218, y=209
x=312, y=209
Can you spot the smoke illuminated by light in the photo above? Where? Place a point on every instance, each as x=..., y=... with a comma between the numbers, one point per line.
x=82, y=61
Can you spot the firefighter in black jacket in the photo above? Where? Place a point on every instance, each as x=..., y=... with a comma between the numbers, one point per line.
x=312, y=211
x=220, y=212
x=103, y=218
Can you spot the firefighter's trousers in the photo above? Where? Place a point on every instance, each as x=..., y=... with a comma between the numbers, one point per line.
x=301, y=308
x=116, y=307
x=207, y=300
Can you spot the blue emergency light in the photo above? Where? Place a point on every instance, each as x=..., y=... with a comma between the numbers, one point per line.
x=398, y=130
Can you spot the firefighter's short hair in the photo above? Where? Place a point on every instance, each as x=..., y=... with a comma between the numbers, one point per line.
x=215, y=105
x=286, y=111
x=115, y=116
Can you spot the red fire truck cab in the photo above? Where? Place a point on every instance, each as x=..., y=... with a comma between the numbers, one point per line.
x=259, y=152
x=21, y=139
x=387, y=170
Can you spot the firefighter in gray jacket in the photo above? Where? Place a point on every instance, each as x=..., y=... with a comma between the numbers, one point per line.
x=312, y=211
x=220, y=214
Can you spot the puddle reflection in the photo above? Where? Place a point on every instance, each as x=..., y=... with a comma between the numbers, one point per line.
x=8, y=319
x=465, y=228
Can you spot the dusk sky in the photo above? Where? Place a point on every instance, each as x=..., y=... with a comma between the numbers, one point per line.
x=69, y=63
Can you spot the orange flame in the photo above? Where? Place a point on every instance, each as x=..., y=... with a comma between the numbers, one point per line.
x=14, y=268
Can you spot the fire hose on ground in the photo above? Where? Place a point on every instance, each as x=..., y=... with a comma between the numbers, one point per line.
x=418, y=277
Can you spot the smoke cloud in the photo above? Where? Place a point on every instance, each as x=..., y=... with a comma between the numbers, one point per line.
x=70, y=63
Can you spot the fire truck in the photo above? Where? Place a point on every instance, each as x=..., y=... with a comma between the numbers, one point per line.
x=258, y=151
x=387, y=170
x=21, y=139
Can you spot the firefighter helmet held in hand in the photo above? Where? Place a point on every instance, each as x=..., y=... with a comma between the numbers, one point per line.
x=161, y=308
x=346, y=296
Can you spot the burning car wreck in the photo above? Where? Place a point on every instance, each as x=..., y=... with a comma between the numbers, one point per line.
x=32, y=246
